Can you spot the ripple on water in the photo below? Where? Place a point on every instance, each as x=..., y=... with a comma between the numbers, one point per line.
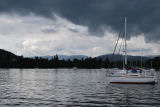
x=71, y=88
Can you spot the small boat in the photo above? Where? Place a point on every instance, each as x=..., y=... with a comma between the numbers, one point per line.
x=131, y=75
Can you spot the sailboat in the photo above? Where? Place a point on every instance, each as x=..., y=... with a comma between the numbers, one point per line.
x=127, y=75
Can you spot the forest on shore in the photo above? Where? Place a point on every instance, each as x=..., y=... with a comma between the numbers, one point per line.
x=10, y=60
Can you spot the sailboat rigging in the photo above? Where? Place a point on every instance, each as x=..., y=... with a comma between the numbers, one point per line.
x=129, y=74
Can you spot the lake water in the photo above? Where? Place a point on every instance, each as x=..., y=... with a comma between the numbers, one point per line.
x=71, y=88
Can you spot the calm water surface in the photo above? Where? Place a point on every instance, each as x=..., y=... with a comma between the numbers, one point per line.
x=71, y=88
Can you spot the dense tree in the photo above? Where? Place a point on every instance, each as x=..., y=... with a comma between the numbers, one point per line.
x=9, y=60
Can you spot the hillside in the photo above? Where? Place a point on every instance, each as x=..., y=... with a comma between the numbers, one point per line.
x=120, y=57
x=10, y=60
x=7, y=54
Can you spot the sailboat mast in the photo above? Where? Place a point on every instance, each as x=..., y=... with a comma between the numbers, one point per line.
x=125, y=35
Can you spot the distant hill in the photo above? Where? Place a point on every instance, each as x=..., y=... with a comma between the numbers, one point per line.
x=120, y=57
x=10, y=60
x=103, y=57
x=7, y=54
x=66, y=57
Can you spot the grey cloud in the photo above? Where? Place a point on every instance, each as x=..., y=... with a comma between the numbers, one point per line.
x=73, y=30
x=140, y=50
x=48, y=31
x=143, y=15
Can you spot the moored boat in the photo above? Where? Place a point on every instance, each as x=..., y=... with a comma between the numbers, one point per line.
x=130, y=75
x=132, y=79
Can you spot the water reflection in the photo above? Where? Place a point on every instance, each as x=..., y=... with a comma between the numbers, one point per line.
x=69, y=87
x=135, y=94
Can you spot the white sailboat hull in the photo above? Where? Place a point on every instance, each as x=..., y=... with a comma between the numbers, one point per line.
x=132, y=80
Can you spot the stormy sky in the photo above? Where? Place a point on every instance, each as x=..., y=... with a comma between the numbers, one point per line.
x=88, y=27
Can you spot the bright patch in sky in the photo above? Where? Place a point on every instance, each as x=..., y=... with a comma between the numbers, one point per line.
x=39, y=36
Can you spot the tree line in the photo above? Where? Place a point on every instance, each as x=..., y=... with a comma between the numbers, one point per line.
x=8, y=61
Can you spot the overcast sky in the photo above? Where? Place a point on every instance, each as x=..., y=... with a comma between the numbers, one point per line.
x=78, y=27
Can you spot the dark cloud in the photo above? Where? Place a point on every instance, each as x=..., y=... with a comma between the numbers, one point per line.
x=143, y=15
